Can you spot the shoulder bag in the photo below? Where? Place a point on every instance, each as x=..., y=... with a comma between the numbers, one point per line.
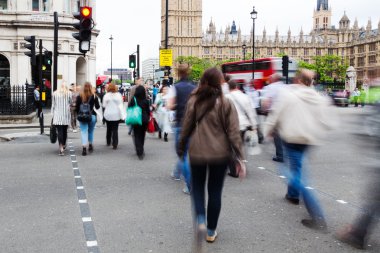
x=134, y=115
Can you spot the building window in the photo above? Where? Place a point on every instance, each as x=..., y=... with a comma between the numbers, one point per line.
x=306, y=51
x=45, y=5
x=207, y=50
x=3, y=4
x=318, y=52
x=361, y=61
x=269, y=51
x=4, y=71
x=294, y=52
x=36, y=5
x=76, y=6
x=372, y=59
x=372, y=47
x=232, y=51
x=220, y=51
x=352, y=50
x=372, y=74
x=361, y=49
x=331, y=51
x=352, y=62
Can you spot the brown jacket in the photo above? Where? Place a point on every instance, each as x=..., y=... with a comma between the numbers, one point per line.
x=214, y=137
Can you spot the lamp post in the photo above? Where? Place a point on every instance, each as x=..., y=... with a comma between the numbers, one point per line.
x=244, y=48
x=153, y=74
x=111, y=39
x=253, y=16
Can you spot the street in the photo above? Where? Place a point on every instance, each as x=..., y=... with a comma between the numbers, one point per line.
x=110, y=201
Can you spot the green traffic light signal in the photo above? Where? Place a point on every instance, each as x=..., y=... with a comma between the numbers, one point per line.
x=132, y=61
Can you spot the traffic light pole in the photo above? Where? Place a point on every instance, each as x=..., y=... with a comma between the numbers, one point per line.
x=138, y=61
x=55, y=53
x=40, y=83
x=167, y=68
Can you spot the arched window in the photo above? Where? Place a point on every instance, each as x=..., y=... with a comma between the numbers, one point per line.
x=4, y=71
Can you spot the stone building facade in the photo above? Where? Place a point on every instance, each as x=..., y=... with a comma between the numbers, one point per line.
x=359, y=46
x=20, y=18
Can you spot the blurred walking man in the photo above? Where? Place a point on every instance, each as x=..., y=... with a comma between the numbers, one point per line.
x=177, y=101
x=299, y=115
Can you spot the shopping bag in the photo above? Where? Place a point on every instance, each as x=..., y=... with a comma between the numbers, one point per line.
x=134, y=115
x=53, y=133
x=251, y=141
x=151, y=127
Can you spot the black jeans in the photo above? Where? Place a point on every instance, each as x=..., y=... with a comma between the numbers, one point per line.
x=62, y=134
x=278, y=144
x=112, y=132
x=214, y=187
x=139, y=138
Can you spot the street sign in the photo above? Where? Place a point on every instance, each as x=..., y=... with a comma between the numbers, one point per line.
x=166, y=57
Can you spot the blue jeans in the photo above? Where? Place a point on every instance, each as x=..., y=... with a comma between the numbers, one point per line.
x=296, y=185
x=182, y=166
x=87, y=131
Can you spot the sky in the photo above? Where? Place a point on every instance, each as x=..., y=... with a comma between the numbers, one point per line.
x=133, y=22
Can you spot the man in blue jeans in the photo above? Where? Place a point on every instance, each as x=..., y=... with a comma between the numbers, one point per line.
x=299, y=115
x=177, y=99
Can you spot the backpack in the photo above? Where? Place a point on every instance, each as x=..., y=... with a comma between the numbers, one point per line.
x=85, y=112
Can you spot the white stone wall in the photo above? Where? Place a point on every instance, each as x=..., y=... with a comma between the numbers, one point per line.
x=19, y=21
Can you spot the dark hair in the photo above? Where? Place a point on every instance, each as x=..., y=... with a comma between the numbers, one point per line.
x=232, y=84
x=140, y=93
x=209, y=87
x=226, y=77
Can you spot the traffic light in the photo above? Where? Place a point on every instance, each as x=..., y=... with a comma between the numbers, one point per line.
x=48, y=56
x=32, y=48
x=132, y=61
x=84, y=26
x=285, y=65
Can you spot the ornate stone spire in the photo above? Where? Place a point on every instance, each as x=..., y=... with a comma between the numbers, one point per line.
x=301, y=36
x=276, y=39
x=356, y=24
x=264, y=35
x=289, y=36
x=369, y=28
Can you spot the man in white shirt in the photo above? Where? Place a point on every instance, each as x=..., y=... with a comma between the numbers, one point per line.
x=271, y=92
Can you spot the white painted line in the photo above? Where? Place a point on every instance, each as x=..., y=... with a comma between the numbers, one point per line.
x=72, y=155
x=75, y=168
x=86, y=219
x=92, y=243
x=77, y=177
x=80, y=187
x=309, y=188
x=82, y=201
x=74, y=161
x=341, y=201
x=261, y=168
x=281, y=176
x=72, y=150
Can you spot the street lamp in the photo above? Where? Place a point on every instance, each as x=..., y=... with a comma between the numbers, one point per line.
x=244, y=48
x=111, y=39
x=153, y=74
x=253, y=16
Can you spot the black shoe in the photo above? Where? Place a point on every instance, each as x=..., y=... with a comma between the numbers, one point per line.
x=317, y=224
x=232, y=175
x=141, y=157
x=349, y=235
x=291, y=200
x=90, y=148
x=84, y=152
x=166, y=137
x=159, y=135
x=114, y=147
x=277, y=159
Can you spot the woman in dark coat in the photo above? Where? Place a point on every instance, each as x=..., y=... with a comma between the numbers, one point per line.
x=139, y=131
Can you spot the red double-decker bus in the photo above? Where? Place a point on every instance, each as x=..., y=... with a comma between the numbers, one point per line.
x=241, y=71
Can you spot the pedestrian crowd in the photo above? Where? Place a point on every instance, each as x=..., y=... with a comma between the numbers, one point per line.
x=215, y=125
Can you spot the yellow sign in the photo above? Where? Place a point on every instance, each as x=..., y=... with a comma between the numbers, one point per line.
x=43, y=96
x=166, y=57
x=59, y=77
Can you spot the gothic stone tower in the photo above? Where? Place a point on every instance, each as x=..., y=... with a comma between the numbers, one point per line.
x=185, y=27
x=322, y=16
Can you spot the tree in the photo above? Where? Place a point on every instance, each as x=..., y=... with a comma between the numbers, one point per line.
x=198, y=65
x=328, y=67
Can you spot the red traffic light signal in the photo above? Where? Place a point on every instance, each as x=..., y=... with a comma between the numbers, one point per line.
x=86, y=12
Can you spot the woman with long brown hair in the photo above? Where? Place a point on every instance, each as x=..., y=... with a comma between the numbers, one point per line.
x=212, y=127
x=85, y=104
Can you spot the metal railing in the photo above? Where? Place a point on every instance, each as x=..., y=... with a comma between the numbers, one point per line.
x=16, y=100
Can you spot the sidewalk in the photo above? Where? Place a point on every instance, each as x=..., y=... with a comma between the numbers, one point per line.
x=34, y=124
